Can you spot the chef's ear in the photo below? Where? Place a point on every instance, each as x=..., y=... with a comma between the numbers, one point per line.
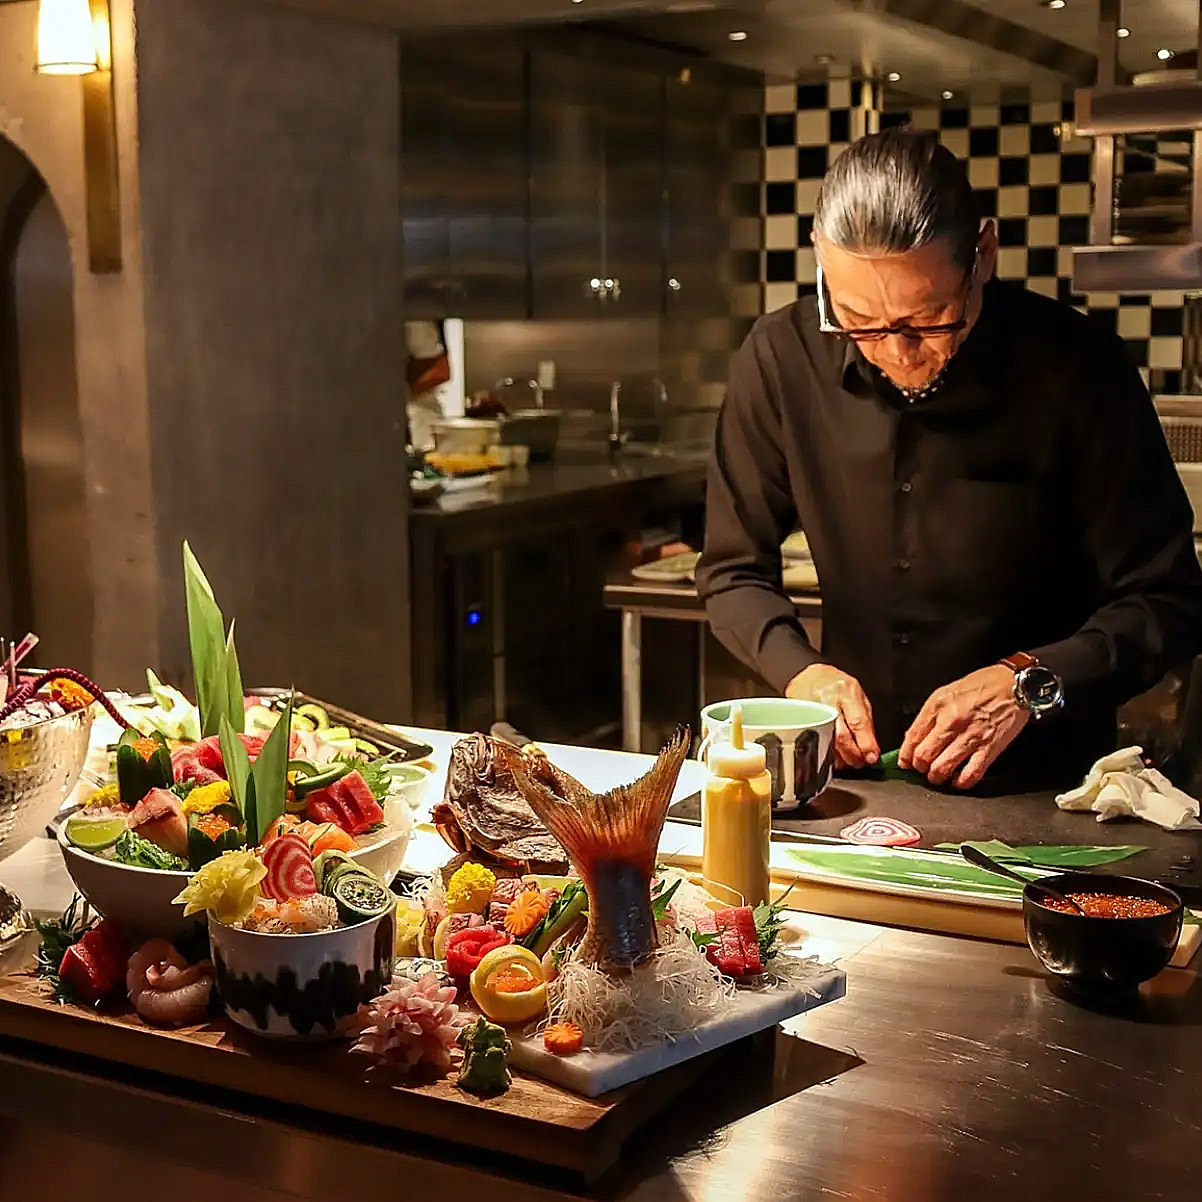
x=987, y=250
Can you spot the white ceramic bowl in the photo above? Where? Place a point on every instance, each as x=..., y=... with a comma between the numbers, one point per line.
x=301, y=987
x=142, y=900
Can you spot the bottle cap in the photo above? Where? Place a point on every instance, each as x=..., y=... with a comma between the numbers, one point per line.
x=736, y=759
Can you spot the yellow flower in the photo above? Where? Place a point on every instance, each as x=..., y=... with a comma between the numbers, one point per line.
x=108, y=795
x=470, y=889
x=227, y=887
x=206, y=798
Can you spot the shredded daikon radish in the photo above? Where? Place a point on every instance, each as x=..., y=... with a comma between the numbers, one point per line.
x=676, y=991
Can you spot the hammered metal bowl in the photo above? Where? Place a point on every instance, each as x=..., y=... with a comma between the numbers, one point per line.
x=39, y=766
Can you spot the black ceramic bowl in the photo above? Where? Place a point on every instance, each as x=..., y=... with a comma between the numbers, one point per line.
x=1102, y=955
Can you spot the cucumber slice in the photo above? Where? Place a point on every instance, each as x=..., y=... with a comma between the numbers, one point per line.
x=338, y=871
x=259, y=717
x=337, y=734
x=329, y=773
x=326, y=862
x=360, y=898
x=315, y=714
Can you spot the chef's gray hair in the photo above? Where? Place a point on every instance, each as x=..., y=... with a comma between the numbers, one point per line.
x=896, y=191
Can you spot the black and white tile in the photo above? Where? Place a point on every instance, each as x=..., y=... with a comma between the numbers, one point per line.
x=1027, y=168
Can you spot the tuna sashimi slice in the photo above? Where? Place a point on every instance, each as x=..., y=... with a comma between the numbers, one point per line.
x=159, y=819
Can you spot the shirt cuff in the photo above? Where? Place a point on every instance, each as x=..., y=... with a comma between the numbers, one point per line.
x=1081, y=661
x=784, y=652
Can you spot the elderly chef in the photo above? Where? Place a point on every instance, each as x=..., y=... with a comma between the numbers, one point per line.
x=1004, y=548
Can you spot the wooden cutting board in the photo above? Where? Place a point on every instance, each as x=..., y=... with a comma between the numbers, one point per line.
x=534, y=1121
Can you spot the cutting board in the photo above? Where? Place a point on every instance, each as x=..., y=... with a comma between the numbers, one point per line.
x=595, y=1073
x=1172, y=857
x=534, y=1121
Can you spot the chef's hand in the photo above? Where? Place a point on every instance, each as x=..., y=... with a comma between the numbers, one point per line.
x=855, y=738
x=964, y=727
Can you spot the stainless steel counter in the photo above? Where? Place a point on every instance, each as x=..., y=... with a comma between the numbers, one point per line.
x=951, y=1071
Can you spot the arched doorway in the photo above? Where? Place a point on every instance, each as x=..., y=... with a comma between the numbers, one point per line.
x=44, y=579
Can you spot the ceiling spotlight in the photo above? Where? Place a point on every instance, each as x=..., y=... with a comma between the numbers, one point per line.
x=1164, y=55
x=1122, y=32
x=824, y=60
x=737, y=35
x=893, y=76
x=1053, y=3
x=947, y=95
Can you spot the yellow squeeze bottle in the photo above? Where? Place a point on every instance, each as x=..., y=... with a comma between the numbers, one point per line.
x=736, y=819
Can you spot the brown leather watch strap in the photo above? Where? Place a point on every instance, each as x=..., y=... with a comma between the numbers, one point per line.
x=1018, y=661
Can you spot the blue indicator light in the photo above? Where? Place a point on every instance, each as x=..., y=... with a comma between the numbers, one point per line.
x=474, y=617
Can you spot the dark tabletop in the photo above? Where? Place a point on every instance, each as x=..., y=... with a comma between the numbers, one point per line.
x=543, y=483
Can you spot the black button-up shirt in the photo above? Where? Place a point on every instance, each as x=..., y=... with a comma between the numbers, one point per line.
x=1029, y=504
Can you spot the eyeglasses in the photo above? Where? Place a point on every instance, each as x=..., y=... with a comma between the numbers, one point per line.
x=903, y=330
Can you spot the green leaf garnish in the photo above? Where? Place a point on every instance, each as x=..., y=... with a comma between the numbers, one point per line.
x=375, y=772
x=58, y=934
x=214, y=659
x=1050, y=855
x=237, y=772
x=132, y=849
x=660, y=899
x=270, y=775
x=935, y=872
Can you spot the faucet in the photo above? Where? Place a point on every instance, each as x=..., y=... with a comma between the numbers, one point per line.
x=615, y=417
x=661, y=392
x=533, y=385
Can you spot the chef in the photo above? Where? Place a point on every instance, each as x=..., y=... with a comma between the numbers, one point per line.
x=1003, y=545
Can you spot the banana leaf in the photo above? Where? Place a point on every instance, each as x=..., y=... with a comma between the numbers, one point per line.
x=1049, y=855
x=237, y=772
x=938, y=873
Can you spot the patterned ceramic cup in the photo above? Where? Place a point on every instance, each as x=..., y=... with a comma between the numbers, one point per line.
x=798, y=738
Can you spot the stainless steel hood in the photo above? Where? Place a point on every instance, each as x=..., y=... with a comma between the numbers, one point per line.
x=1114, y=113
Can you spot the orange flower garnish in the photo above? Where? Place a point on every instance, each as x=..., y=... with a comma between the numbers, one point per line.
x=526, y=911
x=563, y=1039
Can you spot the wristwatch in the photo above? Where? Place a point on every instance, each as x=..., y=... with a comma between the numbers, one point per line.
x=1037, y=689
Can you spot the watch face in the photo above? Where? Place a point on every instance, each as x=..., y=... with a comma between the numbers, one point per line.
x=1041, y=687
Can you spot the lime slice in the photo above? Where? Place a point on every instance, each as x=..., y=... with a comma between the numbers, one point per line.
x=94, y=834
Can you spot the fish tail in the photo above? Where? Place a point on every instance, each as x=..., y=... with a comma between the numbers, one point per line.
x=622, y=824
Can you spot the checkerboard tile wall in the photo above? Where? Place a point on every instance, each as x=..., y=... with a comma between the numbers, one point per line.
x=1027, y=170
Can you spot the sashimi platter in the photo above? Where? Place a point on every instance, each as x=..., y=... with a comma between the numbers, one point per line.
x=236, y=861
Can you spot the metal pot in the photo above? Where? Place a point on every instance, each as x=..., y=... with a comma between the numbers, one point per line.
x=465, y=435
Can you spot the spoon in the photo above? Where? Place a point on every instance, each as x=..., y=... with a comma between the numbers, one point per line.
x=979, y=859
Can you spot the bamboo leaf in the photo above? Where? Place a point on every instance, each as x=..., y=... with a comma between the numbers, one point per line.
x=237, y=771
x=1051, y=855
x=940, y=873
x=214, y=660
x=270, y=773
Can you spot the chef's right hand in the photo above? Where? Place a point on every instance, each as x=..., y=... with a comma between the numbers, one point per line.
x=855, y=738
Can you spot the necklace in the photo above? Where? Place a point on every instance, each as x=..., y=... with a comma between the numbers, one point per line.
x=932, y=385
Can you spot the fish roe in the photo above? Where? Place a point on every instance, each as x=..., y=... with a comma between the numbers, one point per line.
x=1109, y=905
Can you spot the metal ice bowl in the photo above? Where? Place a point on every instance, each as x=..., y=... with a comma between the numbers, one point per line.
x=39, y=766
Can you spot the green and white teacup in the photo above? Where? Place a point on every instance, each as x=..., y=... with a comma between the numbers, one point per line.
x=798, y=738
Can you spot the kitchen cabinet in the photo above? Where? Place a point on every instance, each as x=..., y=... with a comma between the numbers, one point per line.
x=696, y=221
x=596, y=187
x=464, y=178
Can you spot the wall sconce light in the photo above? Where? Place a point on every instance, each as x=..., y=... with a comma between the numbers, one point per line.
x=74, y=37
x=66, y=40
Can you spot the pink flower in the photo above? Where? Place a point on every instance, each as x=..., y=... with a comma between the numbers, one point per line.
x=414, y=1022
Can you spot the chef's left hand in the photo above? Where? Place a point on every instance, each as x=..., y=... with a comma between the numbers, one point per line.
x=964, y=727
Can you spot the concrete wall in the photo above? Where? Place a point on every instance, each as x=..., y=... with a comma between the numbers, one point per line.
x=42, y=117
x=271, y=227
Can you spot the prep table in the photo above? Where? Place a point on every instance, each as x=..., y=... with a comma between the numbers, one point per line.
x=952, y=1067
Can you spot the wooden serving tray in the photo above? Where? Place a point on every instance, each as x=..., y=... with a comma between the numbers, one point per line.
x=534, y=1121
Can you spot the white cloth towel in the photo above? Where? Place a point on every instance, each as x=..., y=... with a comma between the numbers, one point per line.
x=1120, y=785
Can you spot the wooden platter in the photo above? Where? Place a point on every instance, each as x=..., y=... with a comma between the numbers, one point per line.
x=534, y=1121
